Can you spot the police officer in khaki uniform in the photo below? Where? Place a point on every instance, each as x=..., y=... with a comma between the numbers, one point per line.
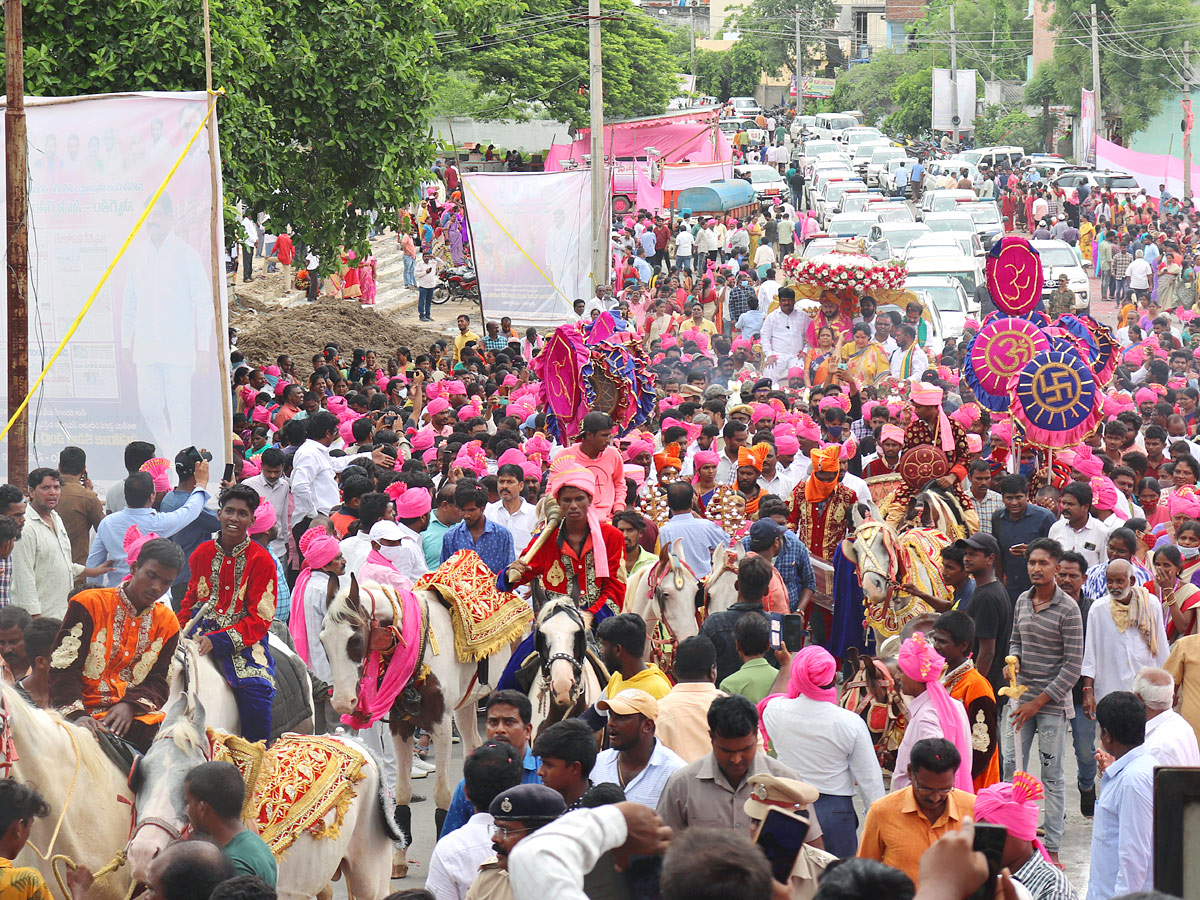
x=792, y=798
x=516, y=812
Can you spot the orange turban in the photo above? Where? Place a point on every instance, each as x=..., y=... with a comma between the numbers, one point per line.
x=753, y=456
x=824, y=459
x=669, y=458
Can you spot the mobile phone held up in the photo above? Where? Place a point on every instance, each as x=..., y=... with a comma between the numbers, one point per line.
x=775, y=633
x=989, y=840
x=781, y=837
x=792, y=632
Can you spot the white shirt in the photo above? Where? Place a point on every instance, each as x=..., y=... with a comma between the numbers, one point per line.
x=277, y=494
x=1122, y=853
x=1172, y=740
x=1111, y=657
x=521, y=523
x=766, y=293
x=829, y=747
x=314, y=488
x=43, y=571
x=781, y=485
x=551, y=862
x=783, y=338
x=923, y=722
x=860, y=488
x=920, y=362
x=426, y=272
x=648, y=784
x=457, y=856
x=1091, y=540
x=683, y=243
x=315, y=599
x=1139, y=274
x=411, y=562
x=764, y=255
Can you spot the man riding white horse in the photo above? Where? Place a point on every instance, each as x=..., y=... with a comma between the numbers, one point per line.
x=108, y=668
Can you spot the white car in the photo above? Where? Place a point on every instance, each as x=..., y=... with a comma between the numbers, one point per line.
x=950, y=221
x=986, y=216
x=946, y=296
x=801, y=125
x=893, y=211
x=966, y=270
x=827, y=200
x=860, y=201
x=818, y=246
x=944, y=200
x=744, y=106
x=879, y=161
x=766, y=180
x=890, y=240
x=942, y=243
x=862, y=154
x=859, y=134
x=1121, y=184
x=815, y=147
x=887, y=178
x=1060, y=258
x=851, y=225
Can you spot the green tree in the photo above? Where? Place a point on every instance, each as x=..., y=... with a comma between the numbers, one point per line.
x=326, y=104
x=1136, y=61
x=548, y=62
x=1041, y=91
x=997, y=125
x=996, y=34
x=735, y=72
x=869, y=87
x=769, y=27
x=912, y=95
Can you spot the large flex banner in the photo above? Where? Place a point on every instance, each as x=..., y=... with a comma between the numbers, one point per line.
x=145, y=361
x=530, y=240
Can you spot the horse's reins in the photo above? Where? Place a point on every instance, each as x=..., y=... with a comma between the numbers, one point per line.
x=576, y=664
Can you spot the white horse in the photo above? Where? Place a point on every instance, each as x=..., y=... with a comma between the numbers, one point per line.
x=720, y=585
x=452, y=690
x=91, y=806
x=361, y=850
x=568, y=680
x=211, y=688
x=669, y=593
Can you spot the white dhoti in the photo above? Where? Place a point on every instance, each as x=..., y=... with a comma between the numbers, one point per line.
x=783, y=337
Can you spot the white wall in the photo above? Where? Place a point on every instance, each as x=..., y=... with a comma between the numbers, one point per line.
x=528, y=137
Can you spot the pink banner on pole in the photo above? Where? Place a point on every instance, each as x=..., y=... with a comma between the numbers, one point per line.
x=1148, y=169
x=676, y=177
x=1087, y=127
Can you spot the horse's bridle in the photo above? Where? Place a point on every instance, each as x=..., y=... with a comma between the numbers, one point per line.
x=576, y=662
x=869, y=565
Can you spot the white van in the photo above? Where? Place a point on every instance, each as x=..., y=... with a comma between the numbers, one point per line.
x=831, y=125
x=994, y=156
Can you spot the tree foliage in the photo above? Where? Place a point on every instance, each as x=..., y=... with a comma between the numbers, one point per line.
x=1135, y=78
x=326, y=102
x=870, y=87
x=729, y=73
x=999, y=126
x=549, y=63
x=768, y=26
x=995, y=40
x=912, y=96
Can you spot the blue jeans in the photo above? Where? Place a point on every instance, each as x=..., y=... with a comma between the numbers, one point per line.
x=424, y=302
x=410, y=268
x=839, y=824
x=1083, y=736
x=1050, y=728
x=683, y=262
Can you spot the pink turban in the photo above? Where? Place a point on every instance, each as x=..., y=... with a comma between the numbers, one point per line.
x=1184, y=502
x=471, y=456
x=509, y=380
x=537, y=448
x=319, y=549
x=920, y=662
x=454, y=388
x=1002, y=432
x=760, y=411
x=869, y=407
x=703, y=458
x=566, y=472
x=280, y=387
x=511, y=457
x=262, y=416
x=891, y=433
x=250, y=468
x=422, y=440
x=437, y=405
x=795, y=372
x=740, y=343
x=638, y=447
x=1014, y=806
x=132, y=544
x=337, y=406
x=1145, y=395
x=636, y=474
x=429, y=456
x=533, y=470
x=966, y=415
x=974, y=443
x=411, y=503
x=926, y=394
x=813, y=675
x=158, y=469
x=849, y=448
x=264, y=517
x=786, y=445
x=808, y=430
x=273, y=371
x=1104, y=492
x=1087, y=463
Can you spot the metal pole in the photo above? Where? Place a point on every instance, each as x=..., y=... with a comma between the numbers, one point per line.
x=799, y=87
x=16, y=205
x=1096, y=73
x=953, y=79
x=1187, y=132
x=600, y=263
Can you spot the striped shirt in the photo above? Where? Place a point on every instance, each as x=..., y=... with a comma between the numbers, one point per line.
x=1049, y=644
x=1044, y=881
x=991, y=503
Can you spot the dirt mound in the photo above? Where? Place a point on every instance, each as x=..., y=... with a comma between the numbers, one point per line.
x=301, y=331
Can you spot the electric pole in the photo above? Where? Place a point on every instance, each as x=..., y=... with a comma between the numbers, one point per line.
x=1187, y=131
x=1095, y=78
x=799, y=73
x=954, y=120
x=600, y=225
x=15, y=206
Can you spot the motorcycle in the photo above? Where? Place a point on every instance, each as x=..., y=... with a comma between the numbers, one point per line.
x=458, y=283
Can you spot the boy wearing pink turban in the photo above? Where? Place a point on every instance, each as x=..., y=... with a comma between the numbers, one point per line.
x=315, y=586
x=1015, y=807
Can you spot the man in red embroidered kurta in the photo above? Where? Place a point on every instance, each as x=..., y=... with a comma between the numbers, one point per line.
x=584, y=558
x=933, y=427
x=240, y=580
x=820, y=504
x=108, y=668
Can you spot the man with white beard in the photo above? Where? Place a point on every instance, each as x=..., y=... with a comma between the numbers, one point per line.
x=1124, y=635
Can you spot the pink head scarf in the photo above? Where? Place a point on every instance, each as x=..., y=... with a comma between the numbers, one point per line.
x=974, y=443
x=437, y=405
x=638, y=447
x=565, y=472
x=1104, y=494
x=703, y=458
x=786, y=445
x=319, y=549
x=1144, y=395
x=812, y=675
x=422, y=440
x=891, y=433
x=411, y=503
x=920, y=662
x=924, y=394
x=264, y=517
x=1014, y=806
x=132, y=544
x=1087, y=463
x=1184, y=502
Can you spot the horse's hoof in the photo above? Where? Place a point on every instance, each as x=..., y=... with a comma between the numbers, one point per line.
x=399, y=869
x=326, y=893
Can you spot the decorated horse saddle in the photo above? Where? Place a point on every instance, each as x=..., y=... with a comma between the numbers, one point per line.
x=921, y=464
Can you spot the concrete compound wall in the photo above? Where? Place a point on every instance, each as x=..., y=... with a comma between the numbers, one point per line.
x=528, y=137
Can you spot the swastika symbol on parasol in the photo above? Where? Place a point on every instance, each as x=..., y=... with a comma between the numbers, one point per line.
x=1057, y=388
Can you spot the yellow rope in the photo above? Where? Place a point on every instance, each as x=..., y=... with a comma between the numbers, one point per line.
x=111, y=866
x=62, y=345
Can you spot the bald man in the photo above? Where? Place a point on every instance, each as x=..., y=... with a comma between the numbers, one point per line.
x=1124, y=635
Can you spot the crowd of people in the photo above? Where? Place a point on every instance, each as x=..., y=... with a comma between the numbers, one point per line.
x=1073, y=585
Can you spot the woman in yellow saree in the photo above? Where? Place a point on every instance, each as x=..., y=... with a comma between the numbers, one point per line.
x=865, y=359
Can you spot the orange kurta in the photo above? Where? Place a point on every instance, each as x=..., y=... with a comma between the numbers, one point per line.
x=974, y=692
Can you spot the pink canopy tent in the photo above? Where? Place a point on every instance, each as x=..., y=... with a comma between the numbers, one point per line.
x=691, y=136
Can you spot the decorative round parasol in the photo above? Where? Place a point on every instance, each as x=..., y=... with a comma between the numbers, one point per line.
x=1056, y=399
x=1014, y=276
x=999, y=351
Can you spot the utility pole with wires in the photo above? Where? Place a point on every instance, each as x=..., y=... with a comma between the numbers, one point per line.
x=1096, y=74
x=599, y=171
x=1187, y=125
x=954, y=120
x=799, y=67
x=16, y=204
